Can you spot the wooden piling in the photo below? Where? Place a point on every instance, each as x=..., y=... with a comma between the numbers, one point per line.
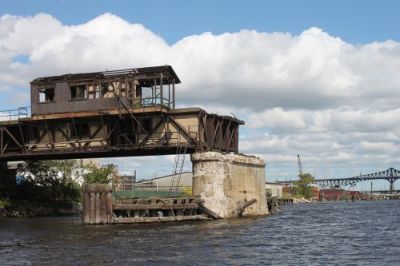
x=92, y=207
x=109, y=207
x=97, y=204
x=86, y=208
x=99, y=207
x=209, y=212
x=103, y=214
x=244, y=205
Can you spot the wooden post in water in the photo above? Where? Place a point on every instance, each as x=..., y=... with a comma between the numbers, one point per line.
x=98, y=207
x=109, y=207
x=97, y=204
x=103, y=199
x=86, y=208
x=92, y=207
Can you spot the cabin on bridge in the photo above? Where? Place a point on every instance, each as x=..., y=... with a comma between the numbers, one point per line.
x=99, y=91
x=129, y=112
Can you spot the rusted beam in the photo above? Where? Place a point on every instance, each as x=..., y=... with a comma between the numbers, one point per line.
x=66, y=136
x=22, y=134
x=149, y=134
x=92, y=136
x=54, y=136
x=1, y=140
x=13, y=138
x=183, y=131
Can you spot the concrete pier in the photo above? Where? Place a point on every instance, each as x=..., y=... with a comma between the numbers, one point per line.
x=231, y=185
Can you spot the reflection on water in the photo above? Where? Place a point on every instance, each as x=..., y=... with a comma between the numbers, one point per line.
x=358, y=233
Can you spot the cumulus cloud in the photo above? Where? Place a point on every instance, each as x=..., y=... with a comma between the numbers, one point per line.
x=329, y=120
x=246, y=68
x=312, y=93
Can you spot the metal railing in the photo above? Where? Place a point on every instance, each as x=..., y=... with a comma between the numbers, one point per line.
x=143, y=191
x=15, y=114
x=156, y=101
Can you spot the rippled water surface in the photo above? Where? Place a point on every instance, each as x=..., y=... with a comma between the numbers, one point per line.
x=345, y=233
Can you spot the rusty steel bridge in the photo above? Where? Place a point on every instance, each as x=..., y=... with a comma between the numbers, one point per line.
x=128, y=112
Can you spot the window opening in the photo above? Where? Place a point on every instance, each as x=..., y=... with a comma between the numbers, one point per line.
x=78, y=92
x=91, y=92
x=98, y=92
x=107, y=90
x=46, y=95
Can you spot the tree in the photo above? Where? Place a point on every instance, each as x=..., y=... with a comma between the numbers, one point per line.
x=302, y=186
x=49, y=180
x=96, y=174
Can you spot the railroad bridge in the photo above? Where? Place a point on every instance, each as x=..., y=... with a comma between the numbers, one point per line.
x=129, y=112
x=133, y=112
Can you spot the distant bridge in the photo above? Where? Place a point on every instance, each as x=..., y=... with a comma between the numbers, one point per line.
x=391, y=175
x=382, y=191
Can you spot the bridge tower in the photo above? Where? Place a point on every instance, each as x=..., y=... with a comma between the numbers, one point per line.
x=391, y=181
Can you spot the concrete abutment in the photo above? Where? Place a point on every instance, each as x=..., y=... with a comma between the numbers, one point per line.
x=229, y=182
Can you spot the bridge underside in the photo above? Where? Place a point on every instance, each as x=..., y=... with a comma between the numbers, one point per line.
x=115, y=133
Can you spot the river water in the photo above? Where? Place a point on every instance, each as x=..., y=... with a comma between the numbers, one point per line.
x=337, y=233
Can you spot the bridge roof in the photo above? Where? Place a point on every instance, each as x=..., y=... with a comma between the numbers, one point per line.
x=169, y=75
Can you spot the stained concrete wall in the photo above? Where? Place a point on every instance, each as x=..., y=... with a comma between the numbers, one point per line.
x=226, y=181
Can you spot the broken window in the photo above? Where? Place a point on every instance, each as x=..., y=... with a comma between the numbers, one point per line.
x=46, y=95
x=97, y=92
x=91, y=92
x=94, y=91
x=78, y=92
x=124, y=88
x=80, y=130
x=107, y=90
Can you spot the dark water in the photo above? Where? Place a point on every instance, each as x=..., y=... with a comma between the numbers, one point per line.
x=347, y=233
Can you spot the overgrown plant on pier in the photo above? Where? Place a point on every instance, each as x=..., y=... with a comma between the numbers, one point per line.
x=99, y=174
x=302, y=187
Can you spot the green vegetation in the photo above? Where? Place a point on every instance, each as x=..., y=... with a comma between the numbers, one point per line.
x=302, y=187
x=102, y=175
x=50, y=187
x=46, y=187
x=46, y=181
x=4, y=203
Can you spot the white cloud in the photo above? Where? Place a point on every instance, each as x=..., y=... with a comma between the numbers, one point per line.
x=313, y=93
x=329, y=120
x=247, y=68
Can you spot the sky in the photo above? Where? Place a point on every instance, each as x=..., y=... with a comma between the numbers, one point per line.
x=315, y=78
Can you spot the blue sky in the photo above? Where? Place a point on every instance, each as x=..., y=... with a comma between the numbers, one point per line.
x=316, y=78
x=356, y=21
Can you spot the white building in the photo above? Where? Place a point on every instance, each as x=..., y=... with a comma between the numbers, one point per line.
x=275, y=189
